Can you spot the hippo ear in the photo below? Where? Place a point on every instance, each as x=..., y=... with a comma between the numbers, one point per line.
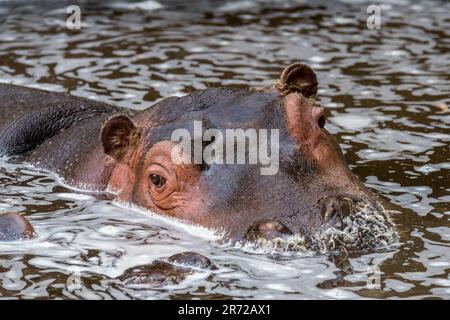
x=119, y=135
x=300, y=78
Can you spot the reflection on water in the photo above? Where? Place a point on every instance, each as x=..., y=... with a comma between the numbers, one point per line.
x=386, y=92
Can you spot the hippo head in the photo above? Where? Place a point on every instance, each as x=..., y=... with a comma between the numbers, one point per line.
x=291, y=179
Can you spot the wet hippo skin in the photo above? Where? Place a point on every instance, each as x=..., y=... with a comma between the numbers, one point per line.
x=14, y=227
x=95, y=146
x=158, y=273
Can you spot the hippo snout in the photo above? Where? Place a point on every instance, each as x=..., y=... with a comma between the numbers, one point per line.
x=348, y=224
x=354, y=225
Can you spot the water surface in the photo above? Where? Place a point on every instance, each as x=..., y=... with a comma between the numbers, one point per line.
x=386, y=92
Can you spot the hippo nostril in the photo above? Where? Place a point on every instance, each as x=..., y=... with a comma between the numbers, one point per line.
x=321, y=121
x=318, y=116
x=327, y=213
x=335, y=206
x=329, y=209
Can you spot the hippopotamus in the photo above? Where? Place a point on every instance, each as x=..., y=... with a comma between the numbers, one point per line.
x=312, y=195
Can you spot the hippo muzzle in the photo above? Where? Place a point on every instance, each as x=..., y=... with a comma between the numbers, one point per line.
x=365, y=227
x=348, y=224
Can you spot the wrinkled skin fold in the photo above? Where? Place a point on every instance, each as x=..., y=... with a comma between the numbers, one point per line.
x=313, y=198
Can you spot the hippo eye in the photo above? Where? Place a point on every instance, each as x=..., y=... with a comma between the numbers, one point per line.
x=157, y=180
x=161, y=182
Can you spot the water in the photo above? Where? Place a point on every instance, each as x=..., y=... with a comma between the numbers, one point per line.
x=387, y=96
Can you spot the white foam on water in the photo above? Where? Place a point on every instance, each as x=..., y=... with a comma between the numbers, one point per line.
x=288, y=246
x=191, y=229
x=74, y=196
x=110, y=230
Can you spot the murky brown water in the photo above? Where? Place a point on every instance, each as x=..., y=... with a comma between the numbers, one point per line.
x=386, y=92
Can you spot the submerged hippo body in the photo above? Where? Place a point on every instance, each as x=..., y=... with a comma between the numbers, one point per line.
x=95, y=146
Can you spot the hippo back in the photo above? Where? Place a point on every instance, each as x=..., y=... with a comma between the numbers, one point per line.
x=28, y=117
x=55, y=132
